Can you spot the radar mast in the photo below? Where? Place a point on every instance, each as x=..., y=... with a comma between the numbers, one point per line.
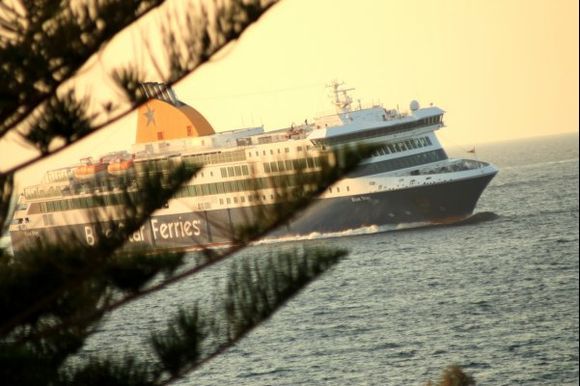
x=342, y=101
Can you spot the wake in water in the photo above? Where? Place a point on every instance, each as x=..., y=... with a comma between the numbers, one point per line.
x=476, y=218
x=317, y=235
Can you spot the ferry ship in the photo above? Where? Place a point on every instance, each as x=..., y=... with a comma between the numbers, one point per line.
x=409, y=179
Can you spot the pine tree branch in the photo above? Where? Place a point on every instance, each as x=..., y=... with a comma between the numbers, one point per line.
x=6, y=189
x=34, y=103
x=11, y=21
x=172, y=82
x=348, y=160
x=137, y=213
x=126, y=372
x=453, y=375
x=255, y=292
x=238, y=33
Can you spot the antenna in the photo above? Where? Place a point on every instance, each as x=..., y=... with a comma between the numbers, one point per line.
x=342, y=100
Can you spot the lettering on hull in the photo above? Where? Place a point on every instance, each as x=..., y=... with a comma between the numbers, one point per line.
x=175, y=229
x=179, y=230
x=135, y=237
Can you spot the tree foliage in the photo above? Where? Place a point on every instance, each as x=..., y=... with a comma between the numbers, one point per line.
x=54, y=295
x=453, y=376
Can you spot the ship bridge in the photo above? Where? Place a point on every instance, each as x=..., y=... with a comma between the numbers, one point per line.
x=354, y=125
x=375, y=124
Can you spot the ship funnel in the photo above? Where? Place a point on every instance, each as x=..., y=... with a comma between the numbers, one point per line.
x=164, y=118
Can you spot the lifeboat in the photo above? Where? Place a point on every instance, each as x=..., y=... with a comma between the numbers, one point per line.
x=89, y=169
x=119, y=167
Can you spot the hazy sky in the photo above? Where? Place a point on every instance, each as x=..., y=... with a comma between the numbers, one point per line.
x=501, y=69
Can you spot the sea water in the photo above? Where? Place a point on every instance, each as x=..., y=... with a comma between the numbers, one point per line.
x=497, y=296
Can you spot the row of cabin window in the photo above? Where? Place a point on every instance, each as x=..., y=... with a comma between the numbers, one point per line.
x=250, y=184
x=291, y=164
x=206, y=159
x=216, y=158
x=34, y=193
x=408, y=144
x=399, y=163
x=242, y=199
x=278, y=151
x=380, y=131
x=80, y=203
x=257, y=197
x=59, y=175
x=254, y=198
x=235, y=171
x=433, y=120
x=337, y=189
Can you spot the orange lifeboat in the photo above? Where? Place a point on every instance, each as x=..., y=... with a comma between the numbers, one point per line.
x=88, y=169
x=120, y=167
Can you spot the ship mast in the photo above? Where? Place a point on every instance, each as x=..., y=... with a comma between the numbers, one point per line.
x=342, y=101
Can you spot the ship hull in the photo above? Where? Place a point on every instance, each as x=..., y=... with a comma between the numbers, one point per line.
x=440, y=203
x=428, y=204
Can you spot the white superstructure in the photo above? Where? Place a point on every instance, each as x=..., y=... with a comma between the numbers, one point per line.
x=408, y=179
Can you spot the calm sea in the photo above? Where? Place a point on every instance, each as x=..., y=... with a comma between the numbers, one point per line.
x=498, y=297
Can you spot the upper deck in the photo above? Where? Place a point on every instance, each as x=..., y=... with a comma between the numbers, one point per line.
x=374, y=122
x=199, y=146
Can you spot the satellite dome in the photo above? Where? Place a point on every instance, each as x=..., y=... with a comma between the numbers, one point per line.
x=414, y=105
